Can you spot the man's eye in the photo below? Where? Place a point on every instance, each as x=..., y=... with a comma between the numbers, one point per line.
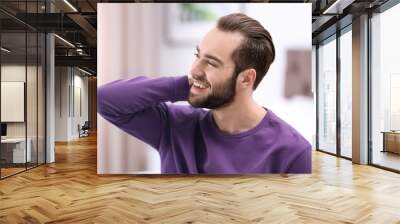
x=212, y=64
x=196, y=54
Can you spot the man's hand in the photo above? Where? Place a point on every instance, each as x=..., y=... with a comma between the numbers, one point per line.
x=190, y=78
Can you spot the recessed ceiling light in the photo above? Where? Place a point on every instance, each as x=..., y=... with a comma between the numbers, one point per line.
x=64, y=40
x=337, y=7
x=70, y=5
x=84, y=71
x=5, y=49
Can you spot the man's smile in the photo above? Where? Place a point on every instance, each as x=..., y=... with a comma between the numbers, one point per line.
x=199, y=87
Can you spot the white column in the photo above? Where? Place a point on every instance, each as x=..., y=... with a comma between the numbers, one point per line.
x=50, y=99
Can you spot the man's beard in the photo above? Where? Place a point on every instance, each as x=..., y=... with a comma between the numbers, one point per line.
x=221, y=95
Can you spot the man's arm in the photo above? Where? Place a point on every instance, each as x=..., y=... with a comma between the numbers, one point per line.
x=302, y=163
x=137, y=105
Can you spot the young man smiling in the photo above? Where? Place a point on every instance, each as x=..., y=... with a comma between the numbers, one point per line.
x=236, y=135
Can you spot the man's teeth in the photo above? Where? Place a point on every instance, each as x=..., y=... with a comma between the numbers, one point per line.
x=199, y=85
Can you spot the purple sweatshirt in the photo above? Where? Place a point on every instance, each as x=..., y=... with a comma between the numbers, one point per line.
x=188, y=139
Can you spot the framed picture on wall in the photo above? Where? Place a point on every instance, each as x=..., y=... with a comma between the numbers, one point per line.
x=187, y=23
x=12, y=101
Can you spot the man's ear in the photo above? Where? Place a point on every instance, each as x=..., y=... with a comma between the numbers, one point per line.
x=247, y=78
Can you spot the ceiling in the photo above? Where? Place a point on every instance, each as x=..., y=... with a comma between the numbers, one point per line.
x=76, y=22
x=77, y=25
x=332, y=15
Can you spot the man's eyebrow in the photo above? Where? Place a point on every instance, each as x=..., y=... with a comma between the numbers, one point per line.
x=210, y=56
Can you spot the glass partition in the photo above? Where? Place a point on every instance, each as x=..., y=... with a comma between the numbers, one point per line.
x=13, y=103
x=327, y=96
x=22, y=88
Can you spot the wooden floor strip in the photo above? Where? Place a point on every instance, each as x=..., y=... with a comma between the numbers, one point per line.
x=70, y=191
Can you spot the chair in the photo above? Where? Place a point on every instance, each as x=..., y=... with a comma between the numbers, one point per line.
x=84, y=130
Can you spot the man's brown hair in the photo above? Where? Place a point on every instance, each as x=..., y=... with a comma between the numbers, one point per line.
x=256, y=50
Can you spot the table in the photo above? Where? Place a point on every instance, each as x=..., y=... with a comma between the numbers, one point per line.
x=15, y=148
x=391, y=141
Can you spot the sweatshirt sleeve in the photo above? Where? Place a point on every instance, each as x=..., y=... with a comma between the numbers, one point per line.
x=138, y=105
x=303, y=163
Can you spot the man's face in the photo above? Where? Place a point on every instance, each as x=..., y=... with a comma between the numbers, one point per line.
x=214, y=82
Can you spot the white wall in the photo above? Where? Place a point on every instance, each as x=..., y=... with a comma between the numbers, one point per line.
x=61, y=103
x=131, y=41
x=80, y=103
x=68, y=79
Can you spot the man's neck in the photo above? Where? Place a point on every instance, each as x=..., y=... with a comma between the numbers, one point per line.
x=239, y=116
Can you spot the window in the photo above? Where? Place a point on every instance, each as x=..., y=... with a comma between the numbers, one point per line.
x=385, y=89
x=327, y=96
x=346, y=93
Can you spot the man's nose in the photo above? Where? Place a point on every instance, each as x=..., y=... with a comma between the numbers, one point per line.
x=197, y=71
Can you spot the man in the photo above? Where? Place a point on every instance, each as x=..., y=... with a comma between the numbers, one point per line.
x=236, y=135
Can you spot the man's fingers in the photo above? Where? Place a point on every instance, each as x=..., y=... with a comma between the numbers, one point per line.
x=190, y=78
